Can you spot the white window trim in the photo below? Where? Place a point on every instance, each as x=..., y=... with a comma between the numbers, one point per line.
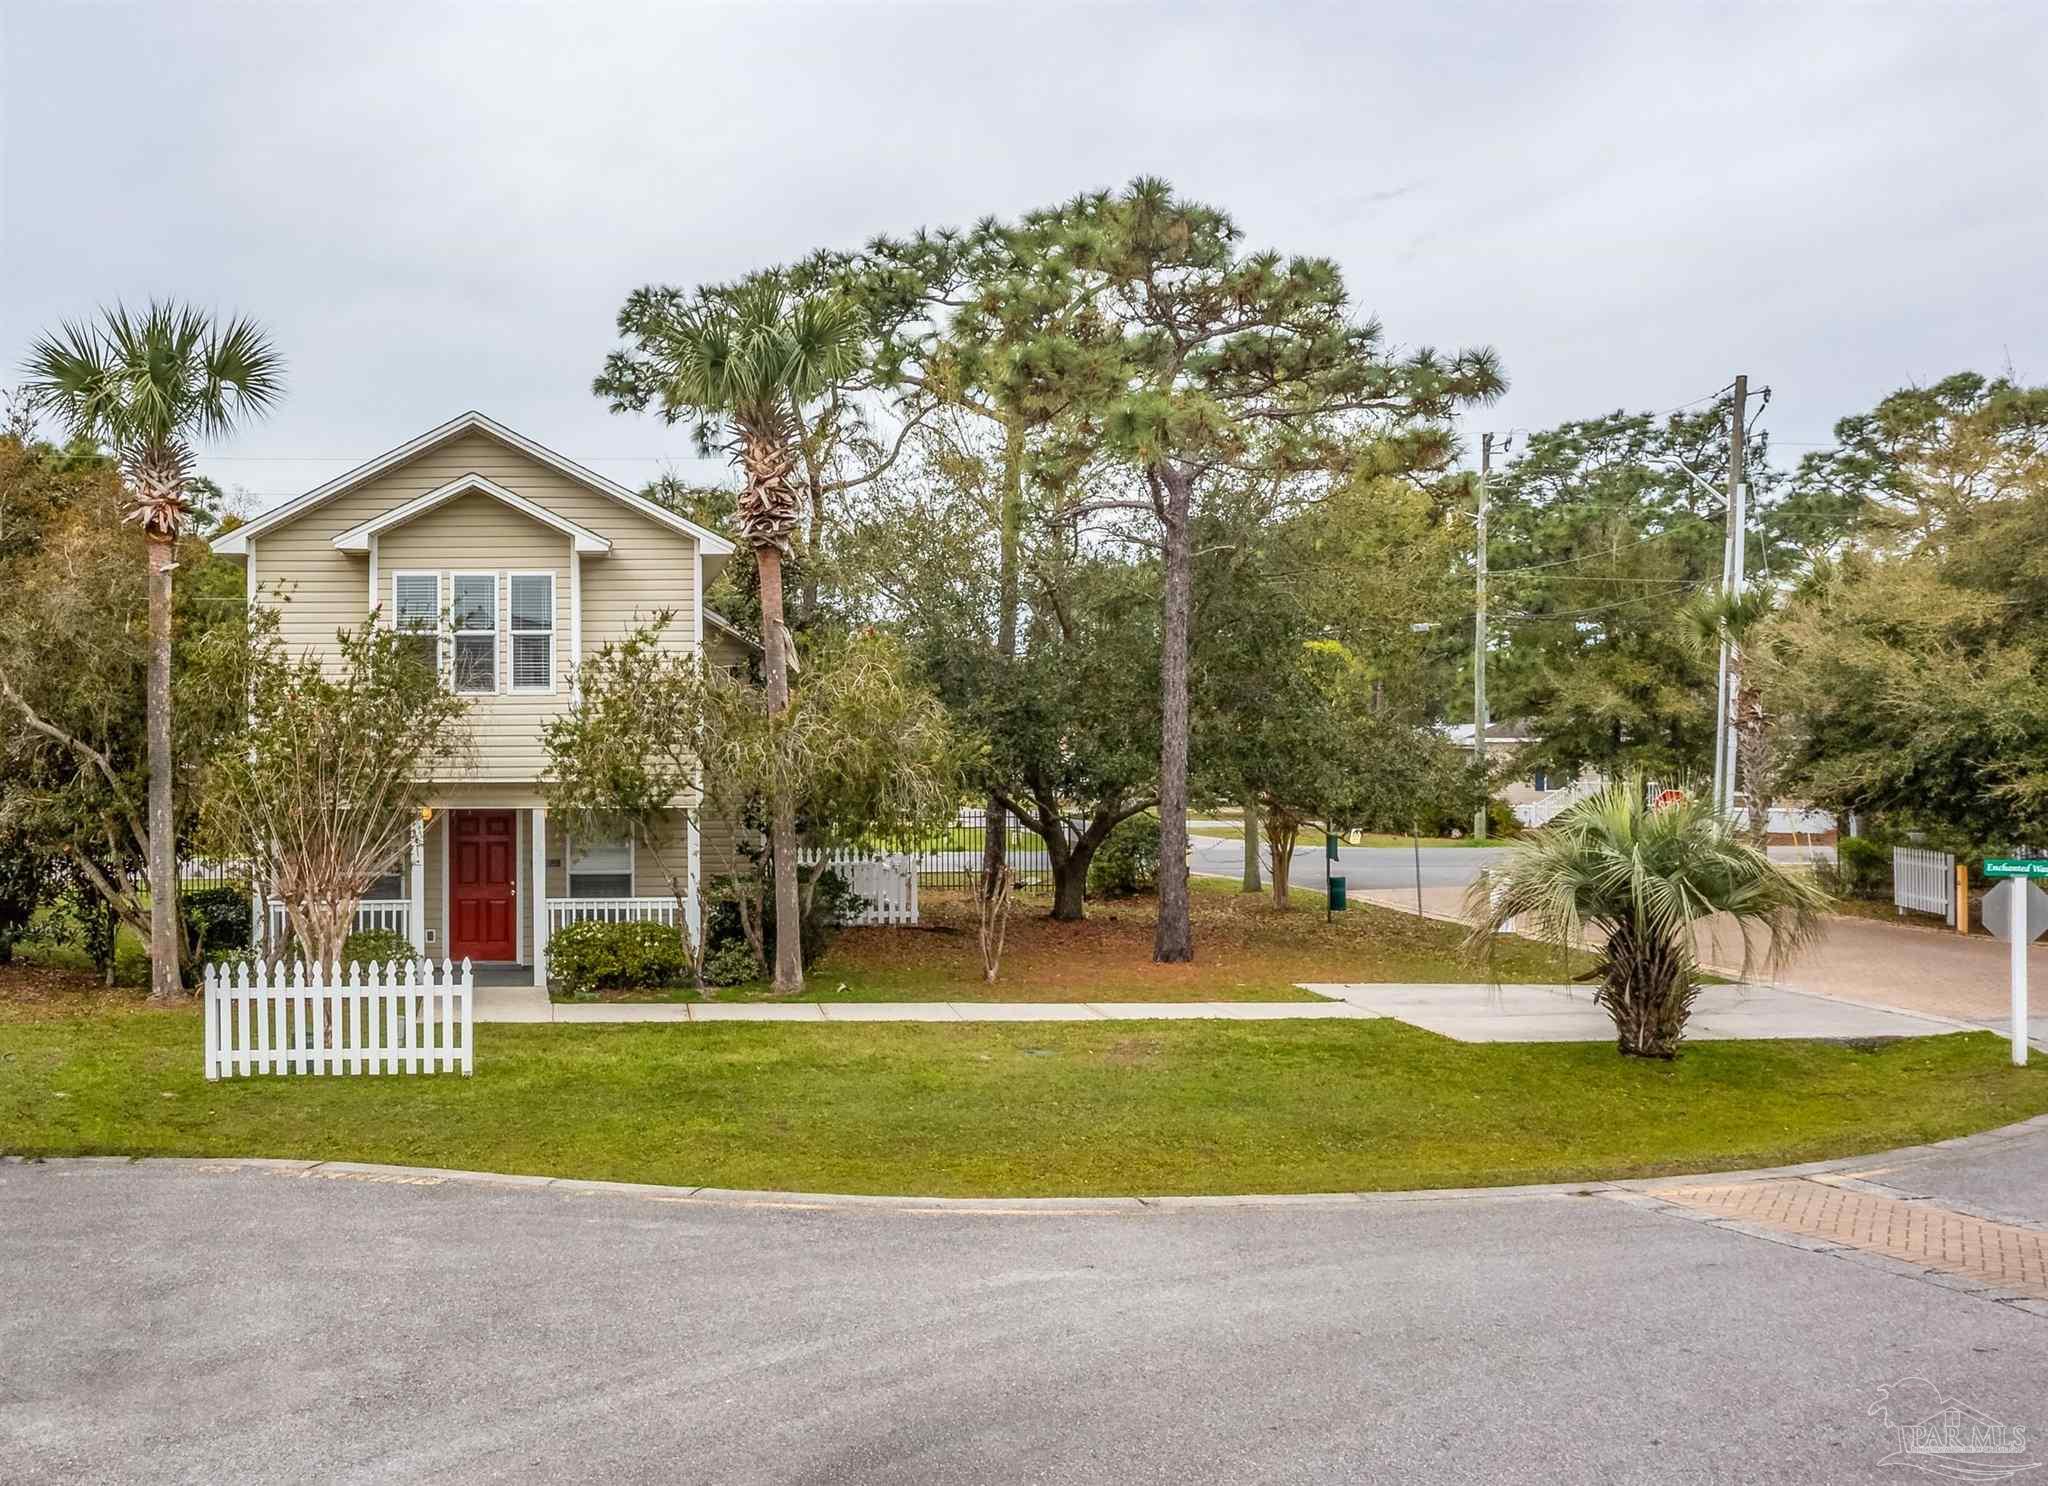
x=440, y=638
x=569, y=866
x=554, y=633
x=497, y=632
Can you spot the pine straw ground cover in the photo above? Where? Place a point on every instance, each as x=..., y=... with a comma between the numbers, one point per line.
x=965, y=1109
x=1245, y=950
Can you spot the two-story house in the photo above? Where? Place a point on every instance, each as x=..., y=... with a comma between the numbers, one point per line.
x=514, y=563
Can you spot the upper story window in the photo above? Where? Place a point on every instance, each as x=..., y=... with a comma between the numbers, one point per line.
x=601, y=869
x=416, y=610
x=533, y=631
x=473, y=620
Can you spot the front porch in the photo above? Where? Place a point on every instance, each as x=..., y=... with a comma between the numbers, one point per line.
x=493, y=883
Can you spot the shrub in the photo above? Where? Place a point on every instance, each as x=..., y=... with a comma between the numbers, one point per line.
x=216, y=919
x=1128, y=862
x=131, y=963
x=590, y=957
x=1864, y=865
x=375, y=947
x=229, y=960
x=731, y=964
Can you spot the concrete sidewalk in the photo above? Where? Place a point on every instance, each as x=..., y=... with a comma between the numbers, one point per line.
x=1926, y=972
x=1567, y=1013
x=525, y=1004
x=1469, y=1013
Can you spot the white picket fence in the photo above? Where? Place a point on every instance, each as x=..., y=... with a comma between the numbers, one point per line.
x=1924, y=881
x=408, y=1016
x=888, y=883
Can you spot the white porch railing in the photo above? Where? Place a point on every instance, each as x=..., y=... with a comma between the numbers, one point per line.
x=394, y=914
x=1924, y=881
x=409, y=1016
x=888, y=883
x=565, y=911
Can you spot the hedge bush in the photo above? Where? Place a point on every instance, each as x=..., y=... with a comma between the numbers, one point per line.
x=1128, y=862
x=1865, y=866
x=586, y=958
x=731, y=964
x=375, y=947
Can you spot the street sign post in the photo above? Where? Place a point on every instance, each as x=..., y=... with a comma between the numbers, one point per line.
x=2024, y=917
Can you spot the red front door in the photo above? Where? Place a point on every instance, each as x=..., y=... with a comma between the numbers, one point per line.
x=482, y=899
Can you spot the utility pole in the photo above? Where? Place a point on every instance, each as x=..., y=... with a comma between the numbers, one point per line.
x=1733, y=555
x=1479, y=635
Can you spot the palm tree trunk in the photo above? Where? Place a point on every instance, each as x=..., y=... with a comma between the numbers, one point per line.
x=1173, y=940
x=164, y=982
x=789, y=954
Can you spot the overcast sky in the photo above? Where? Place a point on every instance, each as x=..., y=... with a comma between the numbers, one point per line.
x=440, y=207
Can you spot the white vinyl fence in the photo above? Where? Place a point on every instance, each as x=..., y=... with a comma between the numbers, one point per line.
x=888, y=883
x=1924, y=881
x=408, y=1016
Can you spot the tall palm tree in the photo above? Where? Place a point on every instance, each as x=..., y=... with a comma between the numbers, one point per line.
x=742, y=360
x=1736, y=619
x=148, y=386
x=1637, y=879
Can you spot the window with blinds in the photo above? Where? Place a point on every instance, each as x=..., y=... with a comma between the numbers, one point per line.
x=416, y=614
x=533, y=631
x=473, y=616
x=601, y=869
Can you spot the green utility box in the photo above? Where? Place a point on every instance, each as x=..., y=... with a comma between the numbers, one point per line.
x=1336, y=895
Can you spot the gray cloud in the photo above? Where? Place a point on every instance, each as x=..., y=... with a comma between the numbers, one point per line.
x=441, y=207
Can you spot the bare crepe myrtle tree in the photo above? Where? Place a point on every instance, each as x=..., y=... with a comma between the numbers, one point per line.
x=324, y=788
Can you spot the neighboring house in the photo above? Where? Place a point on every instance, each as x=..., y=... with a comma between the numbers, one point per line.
x=514, y=563
x=1537, y=794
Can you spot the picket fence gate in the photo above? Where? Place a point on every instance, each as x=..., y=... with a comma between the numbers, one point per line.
x=1924, y=881
x=407, y=1016
x=888, y=883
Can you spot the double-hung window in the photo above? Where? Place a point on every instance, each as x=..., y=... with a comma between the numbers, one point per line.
x=416, y=614
x=533, y=631
x=473, y=617
x=601, y=869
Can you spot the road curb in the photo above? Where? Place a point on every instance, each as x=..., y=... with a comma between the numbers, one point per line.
x=1128, y=1206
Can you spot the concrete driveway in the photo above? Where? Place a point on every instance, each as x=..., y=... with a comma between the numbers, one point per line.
x=175, y=1322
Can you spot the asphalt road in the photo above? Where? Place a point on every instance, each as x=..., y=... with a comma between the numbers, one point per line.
x=178, y=1323
x=1362, y=866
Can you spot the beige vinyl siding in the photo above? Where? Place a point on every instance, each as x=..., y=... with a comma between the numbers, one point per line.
x=650, y=568
x=671, y=847
x=474, y=534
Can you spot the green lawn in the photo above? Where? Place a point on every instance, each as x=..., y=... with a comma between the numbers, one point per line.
x=1050, y=1109
x=1245, y=950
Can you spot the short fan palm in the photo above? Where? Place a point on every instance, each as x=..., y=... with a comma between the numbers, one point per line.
x=1636, y=879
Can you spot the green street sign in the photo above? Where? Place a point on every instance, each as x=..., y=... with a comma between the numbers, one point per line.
x=2016, y=866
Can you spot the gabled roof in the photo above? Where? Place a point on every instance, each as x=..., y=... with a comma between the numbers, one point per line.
x=236, y=542
x=357, y=538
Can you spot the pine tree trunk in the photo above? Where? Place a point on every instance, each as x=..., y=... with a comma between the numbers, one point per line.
x=1173, y=941
x=995, y=846
x=164, y=981
x=1251, y=883
x=789, y=960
